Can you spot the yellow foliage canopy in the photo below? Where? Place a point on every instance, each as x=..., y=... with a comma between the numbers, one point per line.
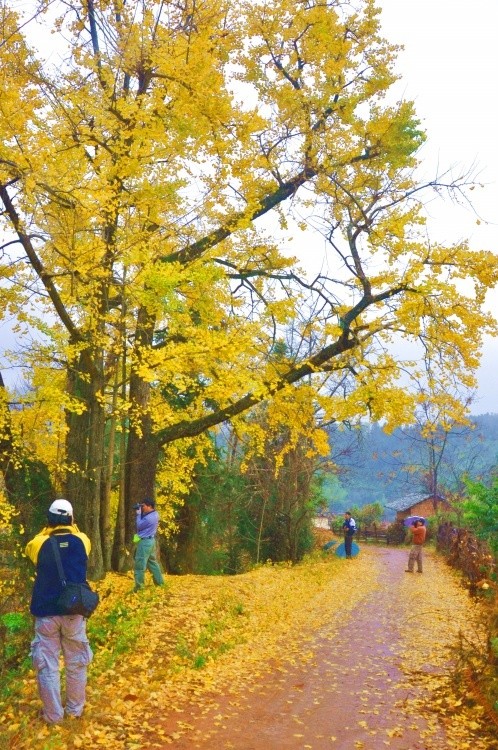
x=138, y=176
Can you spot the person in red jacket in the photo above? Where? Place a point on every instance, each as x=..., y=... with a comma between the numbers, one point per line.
x=418, y=538
x=55, y=632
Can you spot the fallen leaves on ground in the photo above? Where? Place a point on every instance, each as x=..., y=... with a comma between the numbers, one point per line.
x=201, y=636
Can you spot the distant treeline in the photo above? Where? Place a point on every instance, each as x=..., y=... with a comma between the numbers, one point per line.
x=377, y=467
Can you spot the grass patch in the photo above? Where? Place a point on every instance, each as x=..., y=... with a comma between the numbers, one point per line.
x=15, y=621
x=115, y=630
x=15, y=638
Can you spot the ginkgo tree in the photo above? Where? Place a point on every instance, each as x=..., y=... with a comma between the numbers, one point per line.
x=144, y=148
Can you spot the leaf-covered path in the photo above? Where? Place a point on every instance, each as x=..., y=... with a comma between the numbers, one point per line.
x=332, y=654
x=374, y=677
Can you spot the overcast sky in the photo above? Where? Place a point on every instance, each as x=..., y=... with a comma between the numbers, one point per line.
x=449, y=68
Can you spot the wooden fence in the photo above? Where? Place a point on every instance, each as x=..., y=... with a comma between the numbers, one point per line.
x=466, y=553
x=373, y=534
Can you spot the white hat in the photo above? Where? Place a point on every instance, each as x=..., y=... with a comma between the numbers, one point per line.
x=61, y=508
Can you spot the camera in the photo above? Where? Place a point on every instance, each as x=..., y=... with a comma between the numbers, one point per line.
x=137, y=506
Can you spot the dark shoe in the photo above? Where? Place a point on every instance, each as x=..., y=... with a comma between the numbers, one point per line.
x=408, y=571
x=419, y=571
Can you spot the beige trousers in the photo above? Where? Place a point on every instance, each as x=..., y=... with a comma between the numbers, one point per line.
x=66, y=633
x=415, y=556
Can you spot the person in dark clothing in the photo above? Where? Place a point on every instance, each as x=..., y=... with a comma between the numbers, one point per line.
x=55, y=632
x=147, y=521
x=349, y=528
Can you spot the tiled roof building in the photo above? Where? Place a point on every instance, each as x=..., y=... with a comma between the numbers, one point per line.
x=417, y=504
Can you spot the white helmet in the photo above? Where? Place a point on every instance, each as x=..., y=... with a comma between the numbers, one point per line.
x=61, y=508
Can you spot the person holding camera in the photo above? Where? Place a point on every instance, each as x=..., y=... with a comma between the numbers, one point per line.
x=147, y=521
x=55, y=632
x=419, y=532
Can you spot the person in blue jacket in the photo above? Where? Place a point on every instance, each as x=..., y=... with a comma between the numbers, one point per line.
x=147, y=521
x=349, y=528
x=55, y=632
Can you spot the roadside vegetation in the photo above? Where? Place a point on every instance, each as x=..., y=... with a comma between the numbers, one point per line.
x=172, y=648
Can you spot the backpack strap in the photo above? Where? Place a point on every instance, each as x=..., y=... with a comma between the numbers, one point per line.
x=58, y=560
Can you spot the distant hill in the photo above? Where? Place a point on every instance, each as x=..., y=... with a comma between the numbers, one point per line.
x=375, y=466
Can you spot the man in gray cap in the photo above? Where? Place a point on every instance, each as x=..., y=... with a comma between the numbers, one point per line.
x=55, y=632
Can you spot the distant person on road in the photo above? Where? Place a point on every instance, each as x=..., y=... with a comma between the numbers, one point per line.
x=147, y=521
x=349, y=528
x=419, y=533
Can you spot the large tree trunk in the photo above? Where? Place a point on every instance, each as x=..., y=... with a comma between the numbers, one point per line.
x=85, y=456
x=107, y=485
x=122, y=557
x=142, y=454
x=143, y=449
x=182, y=560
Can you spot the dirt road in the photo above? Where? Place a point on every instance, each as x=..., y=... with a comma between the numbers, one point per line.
x=375, y=678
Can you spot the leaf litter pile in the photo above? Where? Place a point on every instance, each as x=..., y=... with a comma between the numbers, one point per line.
x=165, y=656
